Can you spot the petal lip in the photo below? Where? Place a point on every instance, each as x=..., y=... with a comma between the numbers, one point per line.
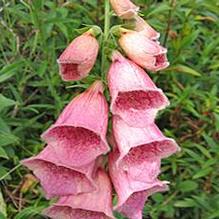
x=134, y=205
x=50, y=171
x=97, y=203
x=140, y=118
x=144, y=28
x=124, y=185
x=71, y=158
x=129, y=138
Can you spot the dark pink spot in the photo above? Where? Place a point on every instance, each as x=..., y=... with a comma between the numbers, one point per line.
x=69, y=70
x=60, y=181
x=75, y=145
x=141, y=153
x=68, y=213
x=160, y=59
x=134, y=205
x=139, y=100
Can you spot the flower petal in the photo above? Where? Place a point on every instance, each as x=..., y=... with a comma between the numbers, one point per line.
x=124, y=8
x=135, y=97
x=78, y=58
x=78, y=136
x=144, y=28
x=143, y=51
x=94, y=205
x=58, y=179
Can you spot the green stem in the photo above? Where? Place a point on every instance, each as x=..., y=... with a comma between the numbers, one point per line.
x=105, y=36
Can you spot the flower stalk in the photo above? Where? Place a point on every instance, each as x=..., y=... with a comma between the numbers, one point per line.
x=105, y=38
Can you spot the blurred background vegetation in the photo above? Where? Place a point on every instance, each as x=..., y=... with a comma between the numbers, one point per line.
x=33, y=34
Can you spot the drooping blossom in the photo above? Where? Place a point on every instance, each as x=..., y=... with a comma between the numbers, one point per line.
x=93, y=205
x=58, y=179
x=131, y=193
x=79, y=57
x=134, y=205
x=143, y=51
x=144, y=28
x=124, y=8
x=78, y=136
x=141, y=149
x=134, y=96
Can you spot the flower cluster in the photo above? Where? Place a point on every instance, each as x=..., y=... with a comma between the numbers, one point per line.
x=70, y=167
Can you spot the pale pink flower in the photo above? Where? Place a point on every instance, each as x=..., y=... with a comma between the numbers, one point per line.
x=78, y=136
x=141, y=149
x=135, y=98
x=134, y=205
x=124, y=8
x=93, y=205
x=58, y=179
x=144, y=28
x=79, y=57
x=131, y=193
x=143, y=51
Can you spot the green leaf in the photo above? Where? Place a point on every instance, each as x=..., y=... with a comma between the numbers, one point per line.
x=186, y=203
x=202, y=173
x=28, y=213
x=5, y=102
x=7, y=138
x=3, y=154
x=10, y=70
x=4, y=126
x=187, y=186
x=184, y=69
x=2, y=207
x=210, y=141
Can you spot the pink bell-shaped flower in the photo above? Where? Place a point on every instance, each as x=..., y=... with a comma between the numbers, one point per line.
x=79, y=57
x=143, y=51
x=134, y=205
x=134, y=96
x=78, y=136
x=58, y=179
x=144, y=28
x=141, y=149
x=93, y=205
x=132, y=194
x=124, y=8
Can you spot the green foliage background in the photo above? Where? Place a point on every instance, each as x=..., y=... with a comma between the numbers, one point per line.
x=33, y=34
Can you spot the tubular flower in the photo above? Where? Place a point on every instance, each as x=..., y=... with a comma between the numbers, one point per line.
x=141, y=149
x=144, y=28
x=132, y=194
x=143, y=51
x=134, y=96
x=94, y=205
x=58, y=179
x=137, y=201
x=79, y=57
x=124, y=8
x=78, y=136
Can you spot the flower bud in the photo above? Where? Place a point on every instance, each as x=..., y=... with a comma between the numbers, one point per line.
x=144, y=28
x=79, y=57
x=124, y=8
x=143, y=51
